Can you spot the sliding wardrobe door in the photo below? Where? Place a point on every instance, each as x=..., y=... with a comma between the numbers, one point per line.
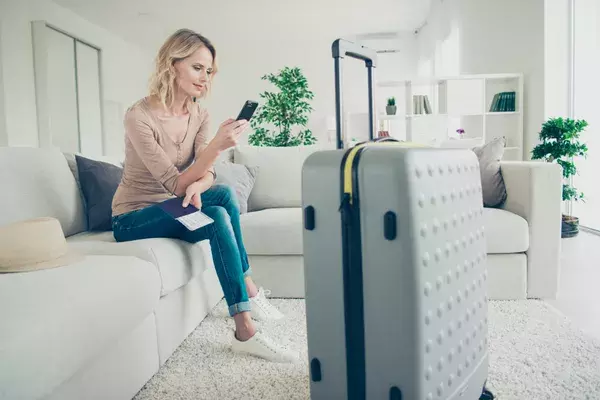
x=68, y=92
x=3, y=129
x=62, y=93
x=88, y=95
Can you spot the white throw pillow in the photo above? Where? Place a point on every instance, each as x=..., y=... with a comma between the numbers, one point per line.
x=240, y=177
x=279, y=178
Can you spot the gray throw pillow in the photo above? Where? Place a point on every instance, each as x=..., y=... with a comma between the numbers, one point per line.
x=238, y=176
x=99, y=181
x=492, y=183
x=72, y=162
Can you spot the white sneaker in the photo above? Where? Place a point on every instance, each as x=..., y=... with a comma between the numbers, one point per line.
x=261, y=346
x=262, y=309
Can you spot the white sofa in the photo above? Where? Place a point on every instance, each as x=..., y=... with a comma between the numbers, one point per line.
x=523, y=237
x=101, y=328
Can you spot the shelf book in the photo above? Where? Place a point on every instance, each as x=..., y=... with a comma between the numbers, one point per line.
x=503, y=102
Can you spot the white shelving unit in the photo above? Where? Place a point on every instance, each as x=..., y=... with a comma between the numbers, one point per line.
x=456, y=102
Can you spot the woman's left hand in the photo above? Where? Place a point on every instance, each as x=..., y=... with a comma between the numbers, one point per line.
x=196, y=201
x=192, y=195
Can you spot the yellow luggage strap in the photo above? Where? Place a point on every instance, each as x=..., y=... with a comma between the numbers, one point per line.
x=354, y=151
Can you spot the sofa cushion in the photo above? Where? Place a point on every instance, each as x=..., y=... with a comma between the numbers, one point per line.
x=38, y=183
x=99, y=182
x=72, y=162
x=505, y=232
x=239, y=177
x=275, y=231
x=278, y=231
x=55, y=321
x=489, y=155
x=178, y=262
x=492, y=184
x=279, y=177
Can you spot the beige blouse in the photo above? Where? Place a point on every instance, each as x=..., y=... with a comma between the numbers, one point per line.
x=153, y=160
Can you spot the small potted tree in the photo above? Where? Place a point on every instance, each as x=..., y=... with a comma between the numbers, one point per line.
x=391, y=106
x=560, y=144
x=282, y=120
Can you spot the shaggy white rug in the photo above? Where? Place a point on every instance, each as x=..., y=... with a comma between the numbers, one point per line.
x=535, y=353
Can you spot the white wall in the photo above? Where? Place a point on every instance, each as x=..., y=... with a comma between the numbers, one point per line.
x=587, y=85
x=556, y=57
x=439, y=41
x=391, y=67
x=243, y=60
x=396, y=66
x=486, y=36
x=253, y=39
x=557, y=60
x=125, y=68
x=507, y=37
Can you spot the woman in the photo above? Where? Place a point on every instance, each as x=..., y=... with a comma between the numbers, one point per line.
x=168, y=154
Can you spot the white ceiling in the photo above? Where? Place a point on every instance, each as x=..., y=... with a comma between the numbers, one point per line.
x=148, y=22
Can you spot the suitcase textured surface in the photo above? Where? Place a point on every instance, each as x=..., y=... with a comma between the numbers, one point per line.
x=394, y=253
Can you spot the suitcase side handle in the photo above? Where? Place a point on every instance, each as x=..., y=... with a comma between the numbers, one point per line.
x=339, y=50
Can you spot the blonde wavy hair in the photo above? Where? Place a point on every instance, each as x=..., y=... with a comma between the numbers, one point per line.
x=178, y=46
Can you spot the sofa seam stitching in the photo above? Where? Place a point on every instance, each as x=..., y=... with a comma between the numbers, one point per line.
x=162, y=285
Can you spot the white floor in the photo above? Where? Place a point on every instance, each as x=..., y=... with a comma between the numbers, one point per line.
x=579, y=291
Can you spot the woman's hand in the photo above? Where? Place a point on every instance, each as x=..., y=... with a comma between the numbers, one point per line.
x=196, y=201
x=228, y=134
x=192, y=195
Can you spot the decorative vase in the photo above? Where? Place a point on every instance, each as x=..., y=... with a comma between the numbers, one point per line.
x=570, y=226
x=391, y=110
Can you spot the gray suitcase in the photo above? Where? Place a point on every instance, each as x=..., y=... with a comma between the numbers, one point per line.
x=395, y=268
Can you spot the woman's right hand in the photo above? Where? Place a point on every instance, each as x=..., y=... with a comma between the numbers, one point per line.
x=228, y=134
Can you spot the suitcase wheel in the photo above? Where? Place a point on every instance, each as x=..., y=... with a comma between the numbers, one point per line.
x=395, y=393
x=315, y=370
x=486, y=395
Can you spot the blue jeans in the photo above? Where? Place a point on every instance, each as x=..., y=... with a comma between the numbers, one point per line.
x=225, y=236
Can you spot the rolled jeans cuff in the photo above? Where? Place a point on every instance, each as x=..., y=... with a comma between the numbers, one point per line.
x=239, y=307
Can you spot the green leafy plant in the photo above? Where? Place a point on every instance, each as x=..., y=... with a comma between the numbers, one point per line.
x=560, y=144
x=391, y=101
x=283, y=111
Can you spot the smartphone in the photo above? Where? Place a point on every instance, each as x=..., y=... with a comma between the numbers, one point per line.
x=247, y=110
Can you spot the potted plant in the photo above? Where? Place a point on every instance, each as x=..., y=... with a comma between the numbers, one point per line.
x=391, y=106
x=282, y=111
x=560, y=144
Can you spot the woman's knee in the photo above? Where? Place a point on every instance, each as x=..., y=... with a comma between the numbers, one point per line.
x=228, y=195
x=219, y=215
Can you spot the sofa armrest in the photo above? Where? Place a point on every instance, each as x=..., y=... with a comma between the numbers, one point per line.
x=534, y=191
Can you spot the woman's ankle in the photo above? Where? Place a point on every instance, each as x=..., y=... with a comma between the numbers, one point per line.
x=244, y=326
x=250, y=287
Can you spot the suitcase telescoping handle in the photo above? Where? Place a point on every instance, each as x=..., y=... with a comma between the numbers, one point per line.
x=340, y=49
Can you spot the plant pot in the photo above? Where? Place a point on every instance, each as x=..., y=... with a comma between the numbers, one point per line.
x=570, y=226
x=391, y=110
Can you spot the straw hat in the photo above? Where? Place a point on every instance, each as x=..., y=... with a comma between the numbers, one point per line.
x=33, y=245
